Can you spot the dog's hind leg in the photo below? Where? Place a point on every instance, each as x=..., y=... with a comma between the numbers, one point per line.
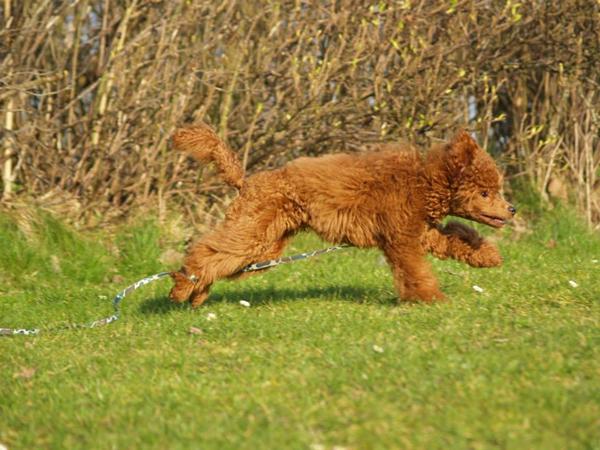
x=273, y=252
x=208, y=260
x=243, y=238
x=223, y=267
x=211, y=263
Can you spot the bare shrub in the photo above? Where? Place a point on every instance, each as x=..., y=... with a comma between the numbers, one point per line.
x=91, y=89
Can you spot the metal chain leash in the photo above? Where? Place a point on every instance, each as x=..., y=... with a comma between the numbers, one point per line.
x=96, y=323
x=116, y=302
x=289, y=259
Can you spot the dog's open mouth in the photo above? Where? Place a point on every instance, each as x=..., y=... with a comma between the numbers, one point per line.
x=493, y=221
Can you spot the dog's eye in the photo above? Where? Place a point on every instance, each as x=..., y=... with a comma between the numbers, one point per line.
x=484, y=194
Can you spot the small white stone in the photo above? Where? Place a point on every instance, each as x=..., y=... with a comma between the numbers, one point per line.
x=573, y=283
x=377, y=348
x=211, y=316
x=245, y=303
x=595, y=261
x=3, y=447
x=477, y=288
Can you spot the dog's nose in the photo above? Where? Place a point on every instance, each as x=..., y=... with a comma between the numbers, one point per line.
x=512, y=210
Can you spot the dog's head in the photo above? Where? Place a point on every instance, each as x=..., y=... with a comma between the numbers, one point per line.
x=475, y=183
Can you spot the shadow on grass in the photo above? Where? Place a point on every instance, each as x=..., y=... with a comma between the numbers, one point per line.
x=261, y=296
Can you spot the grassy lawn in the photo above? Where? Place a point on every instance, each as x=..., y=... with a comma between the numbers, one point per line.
x=322, y=358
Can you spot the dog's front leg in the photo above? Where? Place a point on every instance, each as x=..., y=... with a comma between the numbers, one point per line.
x=413, y=277
x=463, y=243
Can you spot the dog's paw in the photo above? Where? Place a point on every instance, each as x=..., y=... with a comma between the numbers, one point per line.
x=487, y=255
x=183, y=288
x=198, y=298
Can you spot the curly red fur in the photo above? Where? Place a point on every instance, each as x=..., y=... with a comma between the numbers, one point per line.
x=203, y=144
x=392, y=198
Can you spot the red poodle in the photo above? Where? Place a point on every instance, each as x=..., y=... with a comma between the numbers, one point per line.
x=392, y=198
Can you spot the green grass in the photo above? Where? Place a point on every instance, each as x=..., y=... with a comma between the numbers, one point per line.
x=516, y=366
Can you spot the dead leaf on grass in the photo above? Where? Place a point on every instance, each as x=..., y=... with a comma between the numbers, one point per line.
x=117, y=279
x=26, y=373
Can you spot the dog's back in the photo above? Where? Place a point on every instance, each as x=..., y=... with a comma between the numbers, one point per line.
x=353, y=176
x=346, y=195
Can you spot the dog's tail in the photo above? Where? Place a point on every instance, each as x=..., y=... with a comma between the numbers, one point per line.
x=201, y=142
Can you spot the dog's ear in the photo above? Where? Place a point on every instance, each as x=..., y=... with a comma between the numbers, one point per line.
x=460, y=152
